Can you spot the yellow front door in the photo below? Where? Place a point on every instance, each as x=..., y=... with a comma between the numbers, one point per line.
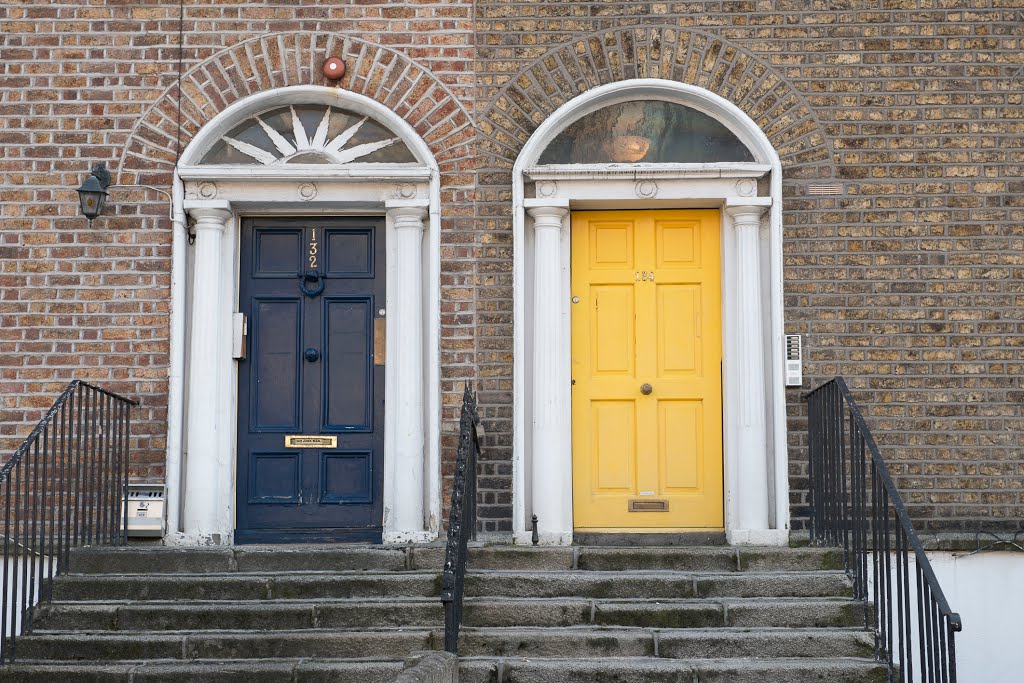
x=646, y=370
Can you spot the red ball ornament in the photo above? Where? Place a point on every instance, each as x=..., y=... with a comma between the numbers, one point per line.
x=334, y=68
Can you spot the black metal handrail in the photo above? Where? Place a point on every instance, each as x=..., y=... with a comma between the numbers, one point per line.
x=63, y=487
x=461, y=521
x=856, y=506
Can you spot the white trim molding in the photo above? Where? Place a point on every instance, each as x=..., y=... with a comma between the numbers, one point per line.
x=217, y=197
x=749, y=195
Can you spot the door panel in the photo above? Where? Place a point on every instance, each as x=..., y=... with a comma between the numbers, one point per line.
x=649, y=312
x=348, y=365
x=310, y=372
x=612, y=332
x=614, y=424
x=275, y=332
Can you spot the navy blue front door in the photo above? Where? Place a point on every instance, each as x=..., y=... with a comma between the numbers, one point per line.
x=310, y=391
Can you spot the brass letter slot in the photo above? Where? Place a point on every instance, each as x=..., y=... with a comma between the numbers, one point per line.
x=380, y=328
x=648, y=505
x=303, y=441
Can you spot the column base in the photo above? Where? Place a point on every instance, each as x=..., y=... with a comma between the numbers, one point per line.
x=757, y=537
x=186, y=540
x=546, y=538
x=407, y=537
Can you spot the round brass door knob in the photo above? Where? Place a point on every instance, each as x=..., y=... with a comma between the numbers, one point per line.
x=646, y=389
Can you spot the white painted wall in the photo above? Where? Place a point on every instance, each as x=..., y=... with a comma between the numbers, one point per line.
x=987, y=589
x=16, y=575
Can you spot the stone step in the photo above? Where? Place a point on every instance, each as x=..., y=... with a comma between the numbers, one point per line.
x=656, y=584
x=589, y=642
x=257, y=615
x=742, y=612
x=712, y=559
x=656, y=670
x=169, y=560
x=217, y=645
x=243, y=671
x=427, y=613
x=246, y=586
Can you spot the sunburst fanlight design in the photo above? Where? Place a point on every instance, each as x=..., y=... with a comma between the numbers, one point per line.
x=282, y=136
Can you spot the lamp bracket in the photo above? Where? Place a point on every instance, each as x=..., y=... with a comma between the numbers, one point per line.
x=99, y=169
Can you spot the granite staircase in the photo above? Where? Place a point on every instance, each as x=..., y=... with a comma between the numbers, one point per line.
x=532, y=615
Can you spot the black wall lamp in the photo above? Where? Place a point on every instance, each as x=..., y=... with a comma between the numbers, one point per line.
x=92, y=194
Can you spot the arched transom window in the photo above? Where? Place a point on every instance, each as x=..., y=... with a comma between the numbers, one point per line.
x=308, y=134
x=645, y=131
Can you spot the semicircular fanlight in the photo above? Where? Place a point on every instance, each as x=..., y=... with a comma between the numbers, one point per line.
x=645, y=131
x=306, y=135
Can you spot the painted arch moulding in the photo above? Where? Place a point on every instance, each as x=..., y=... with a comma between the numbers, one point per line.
x=286, y=59
x=658, y=52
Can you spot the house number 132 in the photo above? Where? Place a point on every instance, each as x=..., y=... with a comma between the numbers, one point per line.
x=645, y=275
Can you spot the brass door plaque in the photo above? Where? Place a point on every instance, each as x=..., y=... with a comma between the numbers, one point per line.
x=310, y=441
x=648, y=505
x=380, y=328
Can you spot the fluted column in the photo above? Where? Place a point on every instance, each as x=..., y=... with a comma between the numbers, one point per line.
x=748, y=367
x=551, y=465
x=204, y=504
x=406, y=321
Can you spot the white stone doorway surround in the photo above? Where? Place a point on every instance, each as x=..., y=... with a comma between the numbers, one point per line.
x=749, y=194
x=201, y=453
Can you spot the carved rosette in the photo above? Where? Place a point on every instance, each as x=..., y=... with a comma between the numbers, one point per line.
x=404, y=191
x=746, y=187
x=547, y=189
x=646, y=189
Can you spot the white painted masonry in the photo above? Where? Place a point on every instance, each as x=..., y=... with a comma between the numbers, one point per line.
x=210, y=501
x=747, y=438
x=405, y=320
x=756, y=481
x=986, y=590
x=551, y=425
x=217, y=197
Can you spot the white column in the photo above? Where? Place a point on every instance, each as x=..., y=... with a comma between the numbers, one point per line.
x=203, y=501
x=747, y=369
x=551, y=461
x=405, y=318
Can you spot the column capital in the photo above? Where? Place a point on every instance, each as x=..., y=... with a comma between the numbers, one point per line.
x=746, y=215
x=547, y=216
x=408, y=216
x=209, y=214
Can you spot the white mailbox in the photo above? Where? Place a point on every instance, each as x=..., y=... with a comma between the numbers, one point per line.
x=145, y=510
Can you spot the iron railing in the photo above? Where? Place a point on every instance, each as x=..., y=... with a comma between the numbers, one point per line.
x=63, y=487
x=856, y=506
x=461, y=521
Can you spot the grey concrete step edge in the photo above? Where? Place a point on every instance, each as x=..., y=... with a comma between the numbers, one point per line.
x=645, y=670
x=735, y=612
x=541, y=584
x=136, y=560
x=240, y=671
x=589, y=641
x=661, y=662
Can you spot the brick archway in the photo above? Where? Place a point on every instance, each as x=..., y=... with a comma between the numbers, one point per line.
x=664, y=52
x=282, y=59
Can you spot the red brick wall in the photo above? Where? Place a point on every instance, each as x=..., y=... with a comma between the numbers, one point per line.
x=82, y=84
x=908, y=283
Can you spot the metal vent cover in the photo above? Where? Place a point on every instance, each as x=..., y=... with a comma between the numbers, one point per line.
x=824, y=189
